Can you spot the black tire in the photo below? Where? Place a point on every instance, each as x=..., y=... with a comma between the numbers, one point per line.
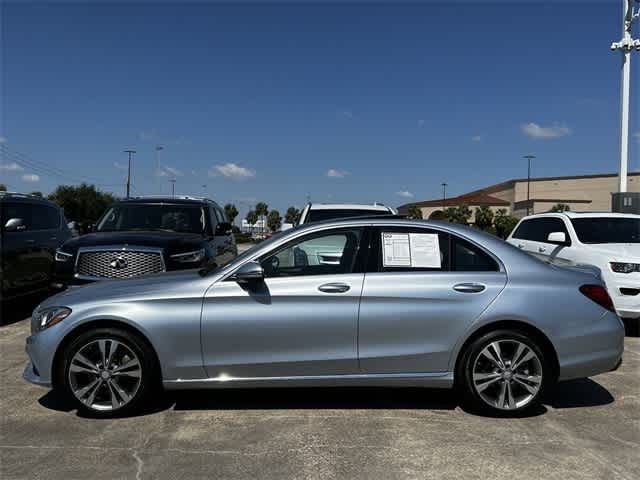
x=465, y=374
x=149, y=378
x=631, y=327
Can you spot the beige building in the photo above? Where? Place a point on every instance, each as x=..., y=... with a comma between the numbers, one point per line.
x=580, y=192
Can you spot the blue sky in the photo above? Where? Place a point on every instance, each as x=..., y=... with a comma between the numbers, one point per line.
x=340, y=102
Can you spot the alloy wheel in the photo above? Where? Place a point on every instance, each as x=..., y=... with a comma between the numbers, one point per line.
x=105, y=374
x=507, y=374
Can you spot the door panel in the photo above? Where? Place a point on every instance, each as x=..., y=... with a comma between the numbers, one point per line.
x=410, y=321
x=282, y=327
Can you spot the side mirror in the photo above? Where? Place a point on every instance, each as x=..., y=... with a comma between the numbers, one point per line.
x=15, y=225
x=559, y=238
x=249, y=272
x=223, y=228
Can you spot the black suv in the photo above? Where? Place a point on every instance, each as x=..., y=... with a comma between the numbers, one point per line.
x=148, y=235
x=32, y=228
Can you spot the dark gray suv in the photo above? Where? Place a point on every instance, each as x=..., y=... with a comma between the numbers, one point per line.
x=32, y=229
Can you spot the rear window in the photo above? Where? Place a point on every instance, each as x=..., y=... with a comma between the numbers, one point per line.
x=332, y=214
x=607, y=229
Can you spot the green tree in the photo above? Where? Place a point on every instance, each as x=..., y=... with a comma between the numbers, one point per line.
x=262, y=209
x=484, y=217
x=3, y=187
x=504, y=223
x=460, y=214
x=560, y=207
x=83, y=203
x=231, y=212
x=251, y=218
x=292, y=215
x=36, y=194
x=414, y=212
x=274, y=220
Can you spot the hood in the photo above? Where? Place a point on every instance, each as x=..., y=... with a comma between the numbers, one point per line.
x=171, y=241
x=177, y=284
x=618, y=251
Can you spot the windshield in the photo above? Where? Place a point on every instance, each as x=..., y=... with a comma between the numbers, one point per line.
x=331, y=214
x=607, y=229
x=149, y=217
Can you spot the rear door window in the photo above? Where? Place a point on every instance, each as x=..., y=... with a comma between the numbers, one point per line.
x=17, y=210
x=538, y=229
x=44, y=217
x=470, y=258
x=409, y=249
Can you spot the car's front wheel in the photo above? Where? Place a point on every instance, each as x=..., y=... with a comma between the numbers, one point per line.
x=108, y=371
x=505, y=372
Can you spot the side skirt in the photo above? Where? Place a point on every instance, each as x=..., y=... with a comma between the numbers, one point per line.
x=430, y=380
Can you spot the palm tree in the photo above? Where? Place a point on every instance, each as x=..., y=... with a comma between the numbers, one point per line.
x=231, y=212
x=251, y=218
x=262, y=209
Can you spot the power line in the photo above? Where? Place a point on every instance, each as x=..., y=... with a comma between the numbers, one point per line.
x=47, y=170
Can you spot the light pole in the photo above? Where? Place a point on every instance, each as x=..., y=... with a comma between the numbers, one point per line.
x=173, y=187
x=130, y=152
x=444, y=194
x=625, y=45
x=529, y=158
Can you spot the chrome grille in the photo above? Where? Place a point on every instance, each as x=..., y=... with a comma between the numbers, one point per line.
x=118, y=263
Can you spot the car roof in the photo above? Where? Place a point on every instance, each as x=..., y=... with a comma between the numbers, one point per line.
x=570, y=214
x=183, y=199
x=25, y=198
x=349, y=206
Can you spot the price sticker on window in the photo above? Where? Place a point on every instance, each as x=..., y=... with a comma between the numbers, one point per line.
x=415, y=250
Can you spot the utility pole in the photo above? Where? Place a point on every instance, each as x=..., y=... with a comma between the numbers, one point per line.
x=157, y=168
x=173, y=187
x=444, y=194
x=625, y=45
x=529, y=158
x=131, y=153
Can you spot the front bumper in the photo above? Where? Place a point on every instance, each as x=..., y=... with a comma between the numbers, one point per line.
x=31, y=375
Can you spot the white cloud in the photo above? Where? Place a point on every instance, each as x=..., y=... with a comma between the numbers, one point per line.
x=31, y=178
x=405, y=194
x=476, y=138
x=334, y=173
x=3, y=139
x=167, y=171
x=120, y=166
x=10, y=167
x=536, y=131
x=346, y=114
x=148, y=135
x=232, y=170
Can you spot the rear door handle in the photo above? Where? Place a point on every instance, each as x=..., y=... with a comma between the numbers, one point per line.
x=521, y=245
x=542, y=249
x=334, y=288
x=469, y=287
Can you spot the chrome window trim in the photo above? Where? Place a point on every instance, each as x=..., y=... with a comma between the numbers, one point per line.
x=114, y=248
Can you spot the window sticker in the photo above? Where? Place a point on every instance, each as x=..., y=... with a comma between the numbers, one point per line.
x=416, y=250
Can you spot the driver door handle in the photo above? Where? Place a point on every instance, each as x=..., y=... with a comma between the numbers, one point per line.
x=469, y=287
x=334, y=288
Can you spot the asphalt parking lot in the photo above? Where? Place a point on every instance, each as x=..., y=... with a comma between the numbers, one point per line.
x=589, y=429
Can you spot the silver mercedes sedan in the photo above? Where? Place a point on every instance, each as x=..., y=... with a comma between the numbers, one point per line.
x=351, y=302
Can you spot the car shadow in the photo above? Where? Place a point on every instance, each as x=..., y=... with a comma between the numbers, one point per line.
x=579, y=393
x=571, y=394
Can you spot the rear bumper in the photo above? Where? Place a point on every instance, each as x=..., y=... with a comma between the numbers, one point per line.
x=597, y=350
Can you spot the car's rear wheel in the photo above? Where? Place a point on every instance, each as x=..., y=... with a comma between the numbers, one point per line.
x=108, y=372
x=505, y=372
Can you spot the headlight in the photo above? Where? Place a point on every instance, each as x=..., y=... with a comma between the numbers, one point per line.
x=620, y=267
x=63, y=256
x=48, y=317
x=189, y=257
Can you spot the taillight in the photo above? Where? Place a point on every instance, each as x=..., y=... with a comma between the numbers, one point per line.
x=598, y=294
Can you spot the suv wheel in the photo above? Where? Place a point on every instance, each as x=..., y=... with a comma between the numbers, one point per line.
x=108, y=372
x=505, y=372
